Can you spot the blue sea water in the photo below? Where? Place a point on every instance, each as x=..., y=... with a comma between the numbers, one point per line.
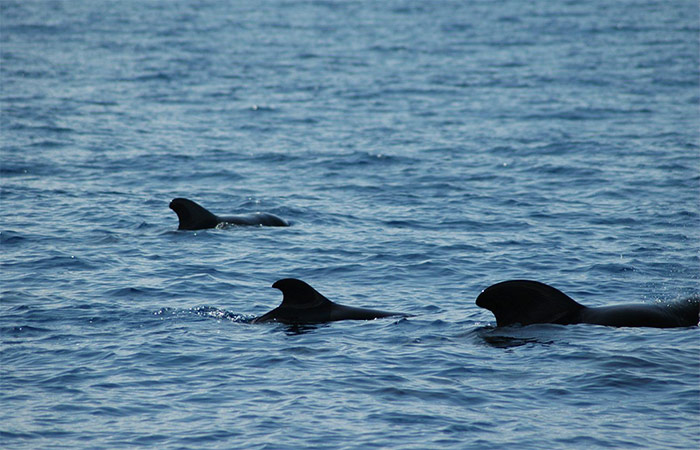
x=422, y=151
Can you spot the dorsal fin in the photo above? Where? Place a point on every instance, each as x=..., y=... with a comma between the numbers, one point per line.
x=192, y=216
x=298, y=294
x=527, y=302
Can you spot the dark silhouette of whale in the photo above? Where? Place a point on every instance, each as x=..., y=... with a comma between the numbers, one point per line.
x=302, y=304
x=193, y=216
x=527, y=302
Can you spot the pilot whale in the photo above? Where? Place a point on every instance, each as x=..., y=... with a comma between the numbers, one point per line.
x=302, y=304
x=527, y=302
x=193, y=216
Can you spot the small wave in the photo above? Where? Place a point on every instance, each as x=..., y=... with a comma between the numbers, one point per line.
x=42, y=128
x=362, y=159
x=135, y=292
x=612, y=268
x=262, y=108
x=62, y=262
x=9, y=170
x=24, y=331
x=11, y=238
x=580, y=114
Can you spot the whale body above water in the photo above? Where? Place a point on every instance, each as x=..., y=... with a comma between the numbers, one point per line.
x=193, y=216
x=302, y=304
x=528, y=302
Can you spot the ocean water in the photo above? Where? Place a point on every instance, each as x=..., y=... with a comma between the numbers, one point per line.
x=421, y=150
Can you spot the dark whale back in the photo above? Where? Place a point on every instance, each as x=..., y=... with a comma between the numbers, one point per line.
x=193, y=216
x=682, y=313
x=528, y=302
x=303, y=304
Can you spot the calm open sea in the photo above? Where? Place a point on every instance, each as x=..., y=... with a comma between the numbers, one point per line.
x=422, y=151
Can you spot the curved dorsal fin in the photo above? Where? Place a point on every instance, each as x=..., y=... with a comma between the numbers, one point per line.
x=192, y=216
x=298, y=294
x=527, y=302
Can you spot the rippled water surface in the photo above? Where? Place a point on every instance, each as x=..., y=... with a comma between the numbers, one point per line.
x=421, y=150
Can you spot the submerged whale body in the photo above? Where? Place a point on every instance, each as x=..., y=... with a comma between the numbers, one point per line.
x=302, y=304
x=528, y=302
x=193, y=216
